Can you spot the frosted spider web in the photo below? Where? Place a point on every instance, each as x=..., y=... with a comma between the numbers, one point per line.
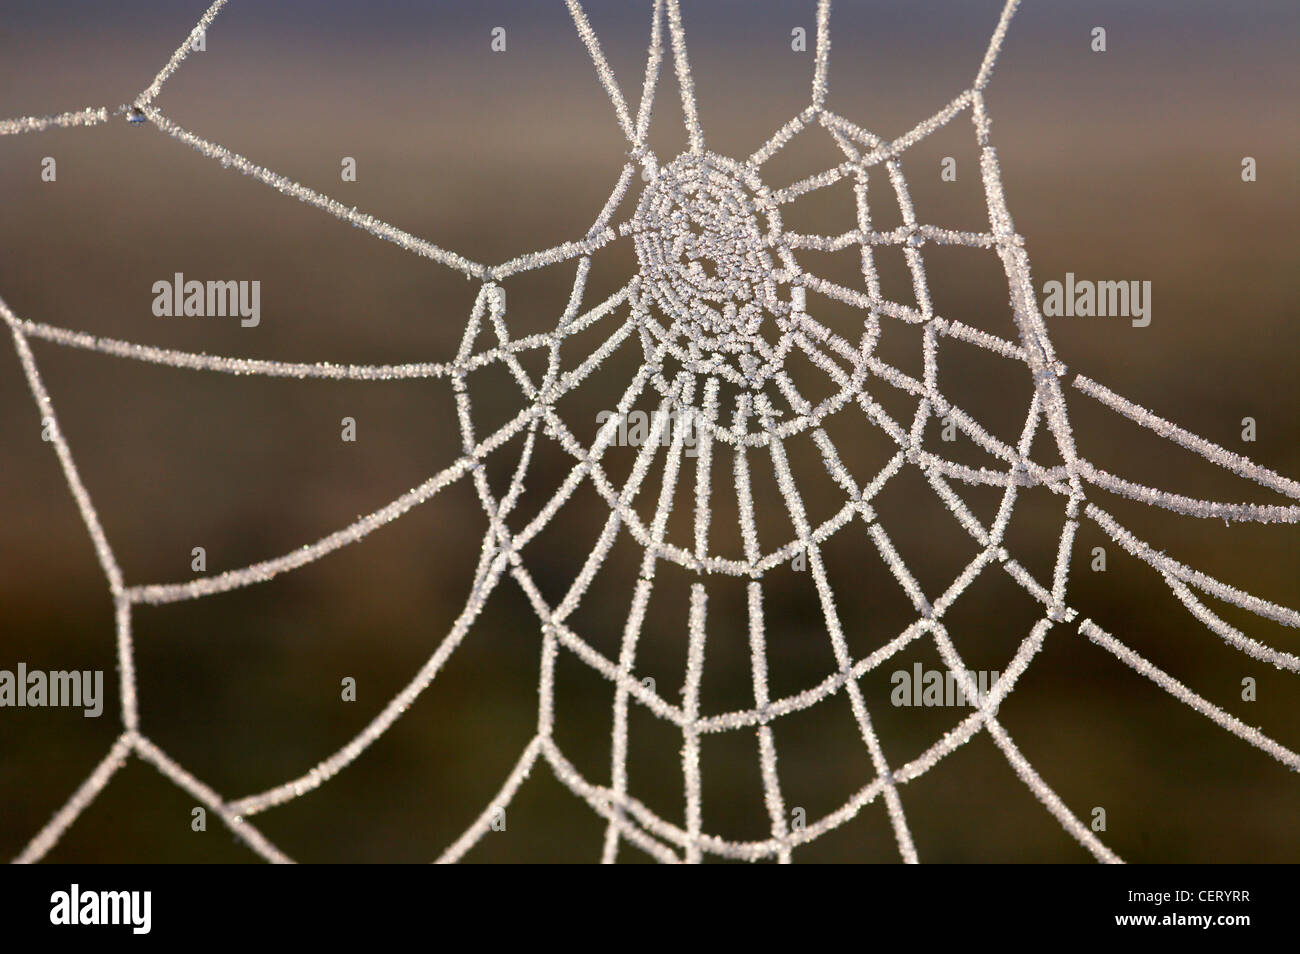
x=717, y=306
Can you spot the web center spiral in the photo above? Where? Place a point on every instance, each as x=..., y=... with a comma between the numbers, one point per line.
x=701, y=233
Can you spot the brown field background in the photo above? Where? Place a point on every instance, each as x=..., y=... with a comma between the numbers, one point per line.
x=1123, y=165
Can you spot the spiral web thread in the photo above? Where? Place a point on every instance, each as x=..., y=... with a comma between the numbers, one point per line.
x=729, y=353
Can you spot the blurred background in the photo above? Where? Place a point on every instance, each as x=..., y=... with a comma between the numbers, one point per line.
x=1122, y=165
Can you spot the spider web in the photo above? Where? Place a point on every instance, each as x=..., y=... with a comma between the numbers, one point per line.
x=716, y=349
